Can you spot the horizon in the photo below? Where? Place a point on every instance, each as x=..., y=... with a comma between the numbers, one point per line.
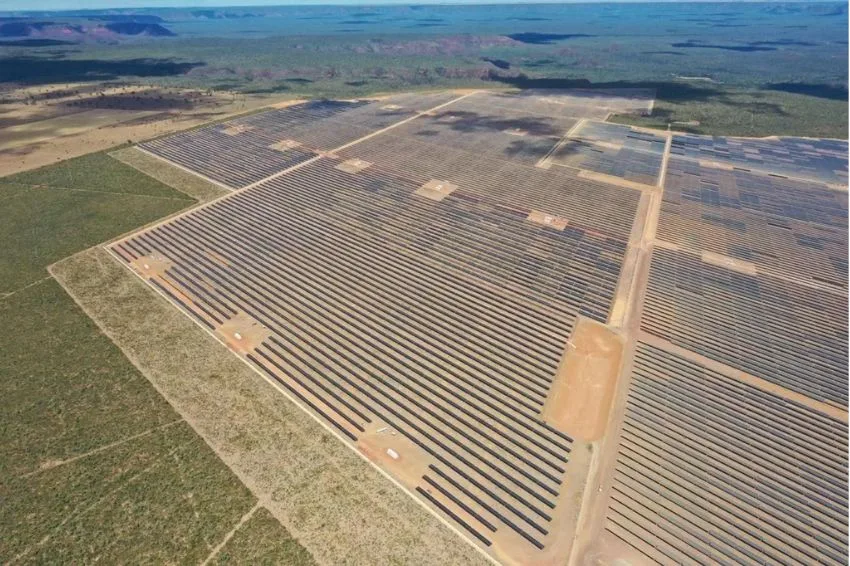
x=30, y=6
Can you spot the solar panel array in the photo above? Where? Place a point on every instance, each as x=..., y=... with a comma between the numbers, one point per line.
x=595, y=103
x=614, y=150
x=242, y=151
x=733, y=444
x=440, y=323
x=818, y=160
x=789, y=228
x=225, y=159
x=783, y=198
x=569, y=271
x=605, y=132
x=523, y=188
x=518, y=137
x=783, y=332
x=418, y=101
x=711, y=470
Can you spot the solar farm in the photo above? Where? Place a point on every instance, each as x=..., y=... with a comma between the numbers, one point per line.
x=572, y=341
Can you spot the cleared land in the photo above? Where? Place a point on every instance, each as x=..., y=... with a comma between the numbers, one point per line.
x=46, y=124
x=45, y=130
x=373, y=281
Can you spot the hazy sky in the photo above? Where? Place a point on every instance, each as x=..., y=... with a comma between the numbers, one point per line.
x=98, y=4
x=10, y=5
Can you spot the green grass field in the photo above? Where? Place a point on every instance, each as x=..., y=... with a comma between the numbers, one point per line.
x=262, y=540
x=95, y=465
x=52, y=212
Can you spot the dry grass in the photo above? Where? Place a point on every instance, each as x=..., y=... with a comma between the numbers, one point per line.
x=172, y=176
x=333, y=502
x=68, y=133
x=70, y=124
x=261, y=540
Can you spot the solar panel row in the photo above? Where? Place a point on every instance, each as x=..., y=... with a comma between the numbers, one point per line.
x=818, y=160
x=711, y=471
x=781, y=331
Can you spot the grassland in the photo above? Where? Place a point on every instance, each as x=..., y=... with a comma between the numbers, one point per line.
x=52, y=212
x=95, y=172
x=95, y=465
x=155, y=168
x=767, y=69
x=262, y=540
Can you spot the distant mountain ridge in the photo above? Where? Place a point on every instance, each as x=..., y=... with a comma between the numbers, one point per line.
x=95, y=28
x=138, y=28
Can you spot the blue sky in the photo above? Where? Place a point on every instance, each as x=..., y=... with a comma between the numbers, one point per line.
x=8, y=5
x=11, y=5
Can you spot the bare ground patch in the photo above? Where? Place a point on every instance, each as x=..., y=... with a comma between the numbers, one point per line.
x=339, y=507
